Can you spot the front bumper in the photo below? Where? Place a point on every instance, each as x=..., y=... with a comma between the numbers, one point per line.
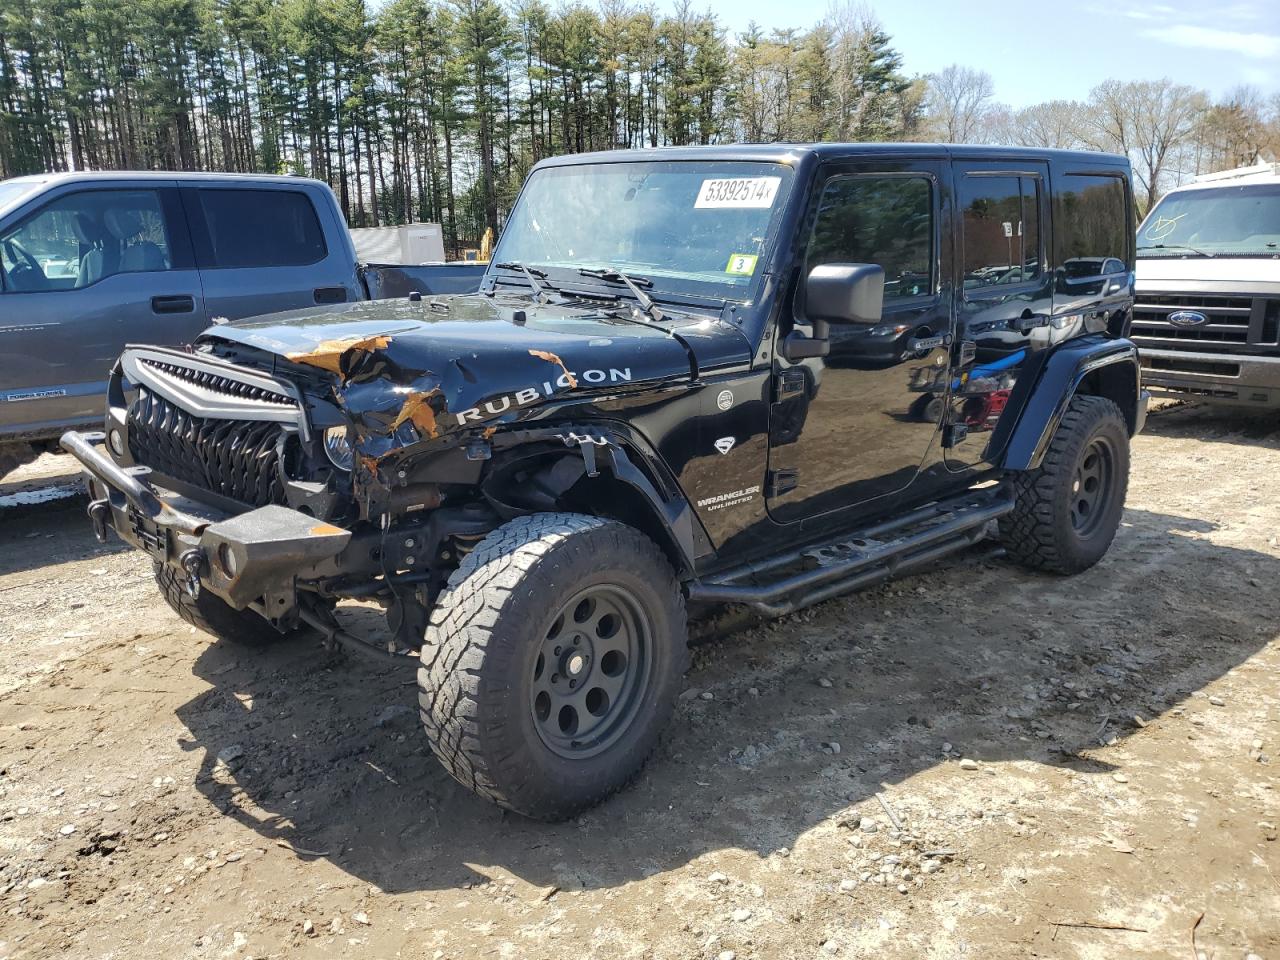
x=1225, y=378
x=242, y=558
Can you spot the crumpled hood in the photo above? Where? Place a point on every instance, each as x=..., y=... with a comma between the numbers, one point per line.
x=409, y=371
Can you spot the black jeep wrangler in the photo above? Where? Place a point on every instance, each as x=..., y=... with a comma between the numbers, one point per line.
x=753, y=375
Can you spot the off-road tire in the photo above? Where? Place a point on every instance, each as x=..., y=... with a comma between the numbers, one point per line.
x=212, y=614
x=1039, y=533
x=481, y=657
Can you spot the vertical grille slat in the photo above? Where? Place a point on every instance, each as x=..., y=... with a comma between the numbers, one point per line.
x=238, y=459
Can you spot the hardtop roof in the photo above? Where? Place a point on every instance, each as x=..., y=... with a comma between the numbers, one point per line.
x=793, y=152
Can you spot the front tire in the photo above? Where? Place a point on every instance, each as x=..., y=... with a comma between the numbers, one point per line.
x=552, y=662
x=1068, y=509
x=212, y=614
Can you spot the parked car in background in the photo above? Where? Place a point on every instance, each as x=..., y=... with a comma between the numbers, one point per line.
x=1207, y=315
x=92, y=261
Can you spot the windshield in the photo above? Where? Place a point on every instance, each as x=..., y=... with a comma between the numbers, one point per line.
x=697, y=228
x=1223, y=221
x=11, y=190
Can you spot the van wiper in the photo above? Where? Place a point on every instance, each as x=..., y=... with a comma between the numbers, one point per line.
x=1177, y=246
x=633, y=284
x=535, y=277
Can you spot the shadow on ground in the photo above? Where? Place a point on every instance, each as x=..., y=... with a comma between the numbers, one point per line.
x=1215, y=423
x=335, y=763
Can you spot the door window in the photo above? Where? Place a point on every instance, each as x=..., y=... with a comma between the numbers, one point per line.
x=81, y=238
x=1091, y=226
x=886, y=220
x=261, y=228
x=1001, y=230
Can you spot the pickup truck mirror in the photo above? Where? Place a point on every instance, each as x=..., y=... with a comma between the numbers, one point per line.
x=836, y=293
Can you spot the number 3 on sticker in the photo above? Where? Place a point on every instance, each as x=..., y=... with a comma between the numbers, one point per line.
x=743, y=264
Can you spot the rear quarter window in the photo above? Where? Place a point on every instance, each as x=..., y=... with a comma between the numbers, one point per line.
x=1091, y=225
x=261, y=228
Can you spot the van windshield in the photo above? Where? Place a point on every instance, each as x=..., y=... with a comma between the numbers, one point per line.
x=1242, y=221
x=698, y=228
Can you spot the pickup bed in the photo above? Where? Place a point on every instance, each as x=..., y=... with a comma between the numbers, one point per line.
x=92, y=261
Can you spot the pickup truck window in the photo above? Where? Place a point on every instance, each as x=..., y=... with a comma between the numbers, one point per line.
x=1001, y=230
x=261, y=228
x=1090, y=217
x=692, y=227
x=887, y=220
x=81, y=238
x=1241, y=221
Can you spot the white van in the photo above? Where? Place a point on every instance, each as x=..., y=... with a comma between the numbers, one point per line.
x=1207, y=316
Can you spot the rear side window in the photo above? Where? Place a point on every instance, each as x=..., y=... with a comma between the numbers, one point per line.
x=1001, y=230
x=887, y=220
x=262, y=228
x=1091, y=225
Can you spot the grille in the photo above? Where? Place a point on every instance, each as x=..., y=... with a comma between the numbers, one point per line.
x=239, y=459
x=1236, y=324
x=217, y=384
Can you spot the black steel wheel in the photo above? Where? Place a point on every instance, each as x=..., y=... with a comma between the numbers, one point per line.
x=1068, y=509
x=552, y=662
x=592, y=672
x=1093, y=485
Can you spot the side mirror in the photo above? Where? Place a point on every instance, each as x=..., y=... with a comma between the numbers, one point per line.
x=836, y=293
x=845, y=293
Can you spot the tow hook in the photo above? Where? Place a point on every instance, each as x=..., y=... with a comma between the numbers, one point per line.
x=192, y=561
x=99, y=510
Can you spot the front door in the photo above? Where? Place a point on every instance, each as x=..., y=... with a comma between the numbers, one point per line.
x=860, y=422
x=84, y=273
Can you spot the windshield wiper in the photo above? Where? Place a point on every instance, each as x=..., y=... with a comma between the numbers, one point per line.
x=1177, y=246
x=535, y=277
x=634, y=284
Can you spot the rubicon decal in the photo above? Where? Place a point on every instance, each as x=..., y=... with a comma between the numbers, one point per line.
x=548, y=388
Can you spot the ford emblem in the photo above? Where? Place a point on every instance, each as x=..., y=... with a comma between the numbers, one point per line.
x=1188, y=318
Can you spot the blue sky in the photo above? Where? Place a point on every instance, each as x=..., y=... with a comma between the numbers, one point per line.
x=1048, y=51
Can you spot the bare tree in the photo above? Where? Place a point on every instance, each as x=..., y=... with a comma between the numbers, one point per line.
x=1056, y=124
x=1154, y=122
x=1235, y=132
x=957, y=102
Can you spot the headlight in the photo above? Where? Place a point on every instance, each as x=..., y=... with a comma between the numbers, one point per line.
x=338, y=448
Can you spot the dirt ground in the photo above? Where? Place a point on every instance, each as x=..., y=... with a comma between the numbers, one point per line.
x=1080, y=768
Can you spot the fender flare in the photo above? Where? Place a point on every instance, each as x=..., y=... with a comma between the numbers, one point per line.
x=614, y=448
x=1060, y=378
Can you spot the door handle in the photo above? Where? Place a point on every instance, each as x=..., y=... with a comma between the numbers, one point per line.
x=1031, y=322
x=924, y=344
x=176, y=304
x=330, y=294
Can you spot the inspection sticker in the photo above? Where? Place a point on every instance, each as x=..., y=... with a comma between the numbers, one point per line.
x=737, y=193
x=743, y=264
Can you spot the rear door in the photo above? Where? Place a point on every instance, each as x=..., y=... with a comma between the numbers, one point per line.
x=1006, y=296
x=262, y=248
x=86, y=270
x=855, y=425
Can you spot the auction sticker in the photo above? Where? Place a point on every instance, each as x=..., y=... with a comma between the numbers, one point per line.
x=743, y=264
x=738, y=193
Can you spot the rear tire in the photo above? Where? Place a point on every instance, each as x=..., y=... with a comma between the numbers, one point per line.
x=1068, y=509
x=552, y=662
x=212, y=614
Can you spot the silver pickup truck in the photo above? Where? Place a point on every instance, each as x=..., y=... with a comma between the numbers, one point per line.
x=92, y=261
